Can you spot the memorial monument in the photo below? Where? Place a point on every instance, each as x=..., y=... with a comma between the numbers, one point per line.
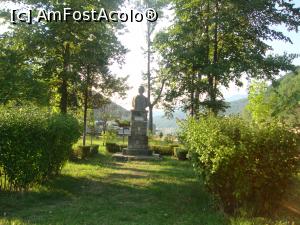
x=138, y=139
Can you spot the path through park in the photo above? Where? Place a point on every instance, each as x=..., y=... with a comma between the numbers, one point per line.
x=103, y=191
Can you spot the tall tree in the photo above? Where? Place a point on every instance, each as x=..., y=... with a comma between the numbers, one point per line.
x=155, y=84
x=53, y=47
x=19, y=81
x=214, y=42
x=259, y=106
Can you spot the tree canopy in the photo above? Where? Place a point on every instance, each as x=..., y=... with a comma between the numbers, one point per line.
x=65, y=57
x=214, y=42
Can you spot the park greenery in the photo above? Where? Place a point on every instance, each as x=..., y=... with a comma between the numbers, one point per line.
x=213, y=43
x=34, y=144
x=245, y=165
x=217, y=169
x=280, y=101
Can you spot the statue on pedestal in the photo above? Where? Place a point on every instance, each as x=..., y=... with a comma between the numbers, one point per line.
x=140, y=102
x=138, y=140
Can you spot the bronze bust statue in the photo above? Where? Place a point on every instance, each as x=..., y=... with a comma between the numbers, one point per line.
x=140, y=102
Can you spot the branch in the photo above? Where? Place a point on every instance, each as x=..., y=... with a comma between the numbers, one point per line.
x=159, y=94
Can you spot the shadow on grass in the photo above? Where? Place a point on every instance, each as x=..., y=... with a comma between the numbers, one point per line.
x=73, y=200
x=174, y=168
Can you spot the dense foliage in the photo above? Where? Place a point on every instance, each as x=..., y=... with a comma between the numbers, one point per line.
x=34, y=144
x=280, y=101
x=63, y=65
x=242, y=164
x=212, y=43
x=287, y=98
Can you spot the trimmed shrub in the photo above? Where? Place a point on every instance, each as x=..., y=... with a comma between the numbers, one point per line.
x=94, y=149
x=180, y=153
x=161, y=149
x=121, y=146
x=243, y=164
x=83, y=151
x=112, y=147
x=34, y=144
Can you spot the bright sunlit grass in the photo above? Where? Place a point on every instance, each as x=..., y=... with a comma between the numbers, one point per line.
x=102, y=191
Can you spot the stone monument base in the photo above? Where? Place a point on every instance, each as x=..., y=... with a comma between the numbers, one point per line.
x=120, y=156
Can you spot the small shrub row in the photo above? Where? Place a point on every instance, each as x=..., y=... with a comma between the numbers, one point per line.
x=180, y=153
x=159, y=149
x=82, y=152
x=245, y=165
x=113, y=147
x=166, y=150
x=34, y=144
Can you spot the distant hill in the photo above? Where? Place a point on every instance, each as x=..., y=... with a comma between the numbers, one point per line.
x=113, y=110
x=236, y=107
x=162, y=123
x=169, y=125
x=288, y=87
x=285, y=94
x=237, y=97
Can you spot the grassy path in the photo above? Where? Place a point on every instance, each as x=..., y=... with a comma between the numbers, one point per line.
x=102, y=191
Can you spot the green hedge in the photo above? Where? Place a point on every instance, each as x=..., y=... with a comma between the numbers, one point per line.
x=245, y=165
x=166, y=150
x=112, y=147
x=160, y=149
x=94, y=149
x=34, y=144
x=180, y=153
x=82, y=152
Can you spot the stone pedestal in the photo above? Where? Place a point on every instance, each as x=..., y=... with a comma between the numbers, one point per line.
x=138, y=140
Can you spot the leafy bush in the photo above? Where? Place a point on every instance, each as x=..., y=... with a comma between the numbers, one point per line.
x=34, y=144
x=109, y=136
x=94, y=149
x=168, y=139
x=112, y=147
x=180, y=153
x=161, y=149
x=82, y=152
x=243, y=164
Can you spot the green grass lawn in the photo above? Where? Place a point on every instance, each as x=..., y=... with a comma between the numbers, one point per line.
x=103, y=191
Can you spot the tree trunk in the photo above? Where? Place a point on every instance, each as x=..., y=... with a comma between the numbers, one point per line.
x=151, y=118
x=149, y=77
x=215, y=109
x=85, y=105
x=192, y=97
x=197, y=91
x=64, y=83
